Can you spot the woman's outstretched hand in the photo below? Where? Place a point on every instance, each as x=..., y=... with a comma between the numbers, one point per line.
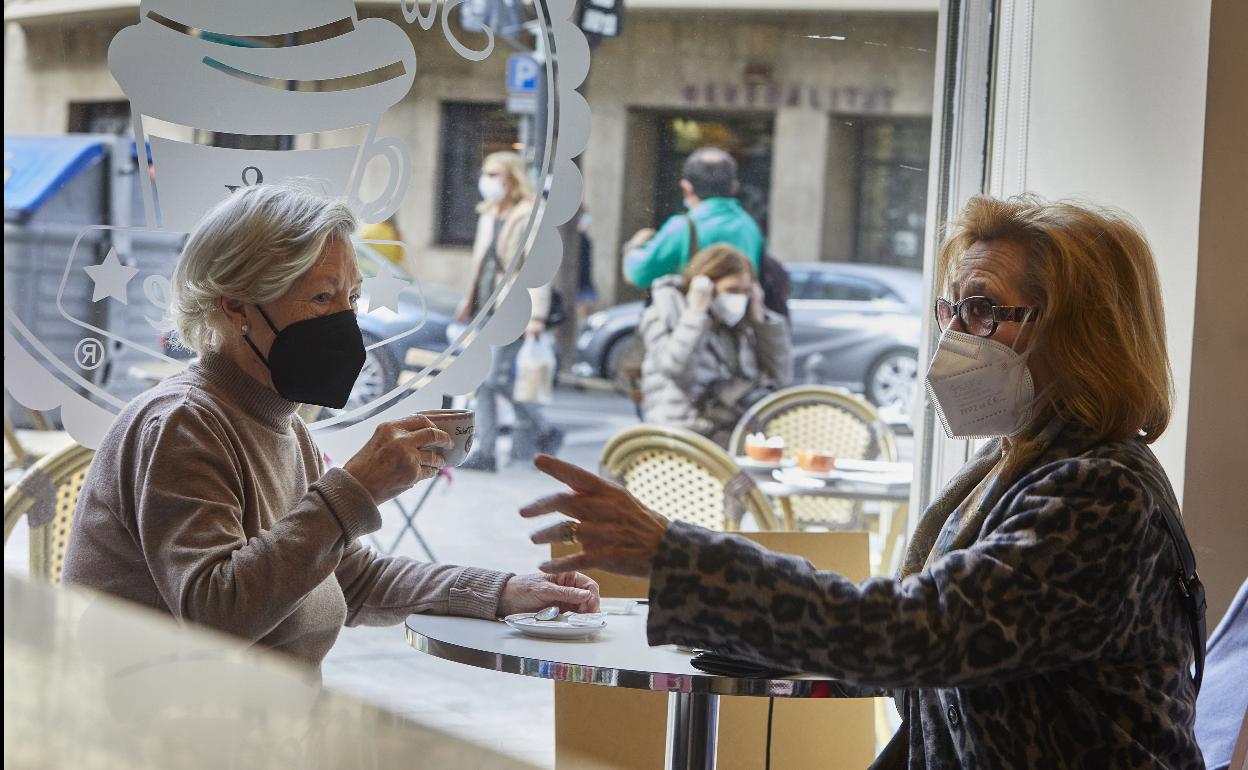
x=615, y=531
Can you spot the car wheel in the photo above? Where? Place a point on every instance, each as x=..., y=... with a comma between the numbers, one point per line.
x=891, y=379
x=378, y=377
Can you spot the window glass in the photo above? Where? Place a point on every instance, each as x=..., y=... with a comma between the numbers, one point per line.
x=152, y=113
x=99, y=117
x=470, y=132
x=747, y=137
x=892, y=191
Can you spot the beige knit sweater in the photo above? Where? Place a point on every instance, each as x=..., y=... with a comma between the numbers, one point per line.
x=208, y=500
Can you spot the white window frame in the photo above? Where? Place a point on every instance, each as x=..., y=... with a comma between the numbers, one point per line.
x=966, y=47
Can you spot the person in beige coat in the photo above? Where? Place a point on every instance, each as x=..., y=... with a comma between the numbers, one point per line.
x=712, y=347
x=507, y=203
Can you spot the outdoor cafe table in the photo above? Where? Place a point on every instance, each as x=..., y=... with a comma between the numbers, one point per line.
x=861, y=480
x=617, y=657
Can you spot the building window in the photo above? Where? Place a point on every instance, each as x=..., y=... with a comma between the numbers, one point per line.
x=103, y=117
x=245, y=141
x=470, y=132
x=892, y=191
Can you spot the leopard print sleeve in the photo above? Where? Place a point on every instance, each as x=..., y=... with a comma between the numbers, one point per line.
x=1061, y=571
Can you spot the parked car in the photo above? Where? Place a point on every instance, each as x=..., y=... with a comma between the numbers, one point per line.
x=854, y=326
x=384, y=365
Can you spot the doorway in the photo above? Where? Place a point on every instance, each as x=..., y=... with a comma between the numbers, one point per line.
x=747, y=137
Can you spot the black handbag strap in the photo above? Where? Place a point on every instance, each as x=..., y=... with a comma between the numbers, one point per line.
x=693, y=236
x=1191, y=589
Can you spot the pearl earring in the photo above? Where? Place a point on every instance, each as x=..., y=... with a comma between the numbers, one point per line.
x=246, y=328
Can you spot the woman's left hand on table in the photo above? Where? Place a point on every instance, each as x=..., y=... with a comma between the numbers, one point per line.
x=571, y=591
x=615, y=531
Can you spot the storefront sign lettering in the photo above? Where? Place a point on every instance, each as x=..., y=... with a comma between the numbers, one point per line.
x=775, y=95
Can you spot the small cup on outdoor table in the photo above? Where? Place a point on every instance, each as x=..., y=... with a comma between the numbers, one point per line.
x=460, y=424
x=815, y=462
x=762, y=449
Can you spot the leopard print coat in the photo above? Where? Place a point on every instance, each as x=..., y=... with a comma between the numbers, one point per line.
x=1056, y=639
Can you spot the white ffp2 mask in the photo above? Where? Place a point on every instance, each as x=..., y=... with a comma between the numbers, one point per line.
x=730, y=308
x=491, y=189
x=981, y=387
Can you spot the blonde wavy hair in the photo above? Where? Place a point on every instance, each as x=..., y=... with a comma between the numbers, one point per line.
x=1101, y=331
x=522, y=188
x=251, y=247
x=718, y=261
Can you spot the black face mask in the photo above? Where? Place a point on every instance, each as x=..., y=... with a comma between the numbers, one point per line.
x=315, y=361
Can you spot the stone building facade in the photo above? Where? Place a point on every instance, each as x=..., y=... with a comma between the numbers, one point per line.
x=829, y=112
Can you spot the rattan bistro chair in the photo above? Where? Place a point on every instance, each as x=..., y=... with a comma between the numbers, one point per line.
x=47, y=494
x=823, y=419
x=685, y=477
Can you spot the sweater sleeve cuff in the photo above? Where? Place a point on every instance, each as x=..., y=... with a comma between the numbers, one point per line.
x=476, y=592
x=350, y=503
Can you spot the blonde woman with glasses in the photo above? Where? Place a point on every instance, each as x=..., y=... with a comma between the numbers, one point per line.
x=1048, y=611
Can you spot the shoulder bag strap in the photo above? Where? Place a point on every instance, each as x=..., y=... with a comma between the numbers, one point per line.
x=1190, y=587
x=693, y=236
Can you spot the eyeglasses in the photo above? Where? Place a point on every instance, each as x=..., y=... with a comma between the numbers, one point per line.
x=979, y=316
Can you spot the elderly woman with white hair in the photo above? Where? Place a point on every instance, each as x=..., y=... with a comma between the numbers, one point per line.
x=208, y=498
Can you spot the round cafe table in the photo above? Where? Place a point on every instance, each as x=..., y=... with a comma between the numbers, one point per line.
x=618, y=656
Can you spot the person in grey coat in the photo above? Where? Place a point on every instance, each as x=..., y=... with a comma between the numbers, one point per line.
x=712, y=347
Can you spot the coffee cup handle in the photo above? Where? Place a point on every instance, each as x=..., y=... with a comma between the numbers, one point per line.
x=396, y=153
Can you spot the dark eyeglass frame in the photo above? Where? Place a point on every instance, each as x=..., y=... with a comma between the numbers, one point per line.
x=996, y=313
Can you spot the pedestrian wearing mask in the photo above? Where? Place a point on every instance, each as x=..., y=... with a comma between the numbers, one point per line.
x=712, y=347
x=507, y=196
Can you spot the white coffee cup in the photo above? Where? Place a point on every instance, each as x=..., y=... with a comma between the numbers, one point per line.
x=460, y=424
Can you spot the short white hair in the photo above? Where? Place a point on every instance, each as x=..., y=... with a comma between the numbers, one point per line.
x=251, y=247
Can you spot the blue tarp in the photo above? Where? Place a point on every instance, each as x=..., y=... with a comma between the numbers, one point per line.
x=36, y=167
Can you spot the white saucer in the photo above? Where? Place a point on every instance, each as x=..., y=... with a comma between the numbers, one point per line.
x=798, y=478
x=831, y=475
x=745, y=461
x=554, y=629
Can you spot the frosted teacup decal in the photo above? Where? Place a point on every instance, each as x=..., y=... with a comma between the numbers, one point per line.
x=240, y=75
x=304, y=84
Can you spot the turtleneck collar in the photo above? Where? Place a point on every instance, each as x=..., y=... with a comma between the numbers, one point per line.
x=246, y=392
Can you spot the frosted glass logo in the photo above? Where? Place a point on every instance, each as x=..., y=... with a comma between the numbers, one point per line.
x=298, y=88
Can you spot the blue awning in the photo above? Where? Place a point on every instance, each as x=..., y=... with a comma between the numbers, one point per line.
x=36, y=167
